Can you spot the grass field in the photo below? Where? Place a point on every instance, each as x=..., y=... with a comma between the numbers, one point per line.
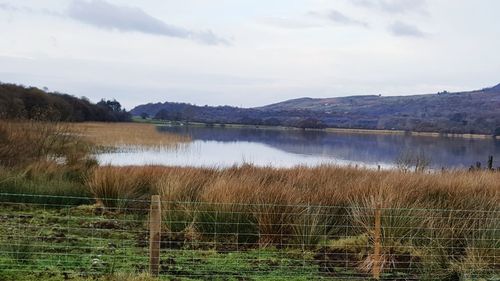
x=85, y=242
x=73, y=243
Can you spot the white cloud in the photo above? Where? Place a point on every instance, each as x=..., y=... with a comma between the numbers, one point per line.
x=105, y=15
x=338, y=17
x=399, y=28
x=394, y=6
x=289, y=23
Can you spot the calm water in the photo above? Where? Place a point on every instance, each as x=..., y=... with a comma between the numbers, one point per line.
x=223, y=147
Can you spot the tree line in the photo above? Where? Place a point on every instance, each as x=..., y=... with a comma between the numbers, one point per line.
x=20, y=102
x=230, y=115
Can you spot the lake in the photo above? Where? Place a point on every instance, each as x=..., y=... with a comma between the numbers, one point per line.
x=223, y=147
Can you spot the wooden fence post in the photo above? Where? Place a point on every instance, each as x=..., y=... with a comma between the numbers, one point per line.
x=377, y=246
x=154, y=235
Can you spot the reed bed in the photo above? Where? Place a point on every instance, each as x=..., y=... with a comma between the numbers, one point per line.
x=25, y=142
x=120, y=135
x=440, y=221
x=316, y=186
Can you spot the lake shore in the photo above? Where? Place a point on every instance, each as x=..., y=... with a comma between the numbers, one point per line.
x=330, y=129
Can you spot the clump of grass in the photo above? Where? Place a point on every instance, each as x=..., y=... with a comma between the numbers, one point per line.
x=119, y=187
x=402, y=229
x=180, y=191
x=312, y=226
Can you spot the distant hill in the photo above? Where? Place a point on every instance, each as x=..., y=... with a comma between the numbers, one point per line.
x=463, y=112
x=19, y=102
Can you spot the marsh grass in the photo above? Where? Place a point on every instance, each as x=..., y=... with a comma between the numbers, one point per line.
x=25, y=142
x=443, y=221
x=109, y=136
x=44, y=160
x=121, y=188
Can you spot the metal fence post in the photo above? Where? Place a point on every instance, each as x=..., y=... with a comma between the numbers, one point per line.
x=154, y=235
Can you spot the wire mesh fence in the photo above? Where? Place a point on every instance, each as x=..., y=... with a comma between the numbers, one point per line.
x=76, y=237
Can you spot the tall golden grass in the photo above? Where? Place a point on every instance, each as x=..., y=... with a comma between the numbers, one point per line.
x=43, y=158
x=319, y=186
x=27, y=142
x=127, y=134
x=445, y=220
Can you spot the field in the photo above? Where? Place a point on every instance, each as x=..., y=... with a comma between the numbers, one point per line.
x=75, y=220
x=73, y=243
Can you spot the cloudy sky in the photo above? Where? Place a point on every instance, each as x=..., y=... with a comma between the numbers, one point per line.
x=248, y=52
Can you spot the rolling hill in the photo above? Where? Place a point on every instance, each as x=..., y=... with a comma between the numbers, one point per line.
x=461, y=112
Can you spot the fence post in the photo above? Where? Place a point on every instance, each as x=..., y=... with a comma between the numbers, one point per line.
x=377, y=246
x=154, y=235
x=490, y=162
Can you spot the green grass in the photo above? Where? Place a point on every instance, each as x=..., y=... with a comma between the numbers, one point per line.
x=61, y=188
x=76, y=243
x=67, y=242
x=268, y=264
x=84, y=242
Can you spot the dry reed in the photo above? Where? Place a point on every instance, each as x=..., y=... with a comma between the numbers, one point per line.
x=128, y=134
x=322, y=185
x=26, y=142
x=449, y=220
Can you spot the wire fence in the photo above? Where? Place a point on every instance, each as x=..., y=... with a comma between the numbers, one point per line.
x=83, y=237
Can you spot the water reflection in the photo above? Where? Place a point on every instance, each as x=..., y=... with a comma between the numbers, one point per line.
x=285, y=148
